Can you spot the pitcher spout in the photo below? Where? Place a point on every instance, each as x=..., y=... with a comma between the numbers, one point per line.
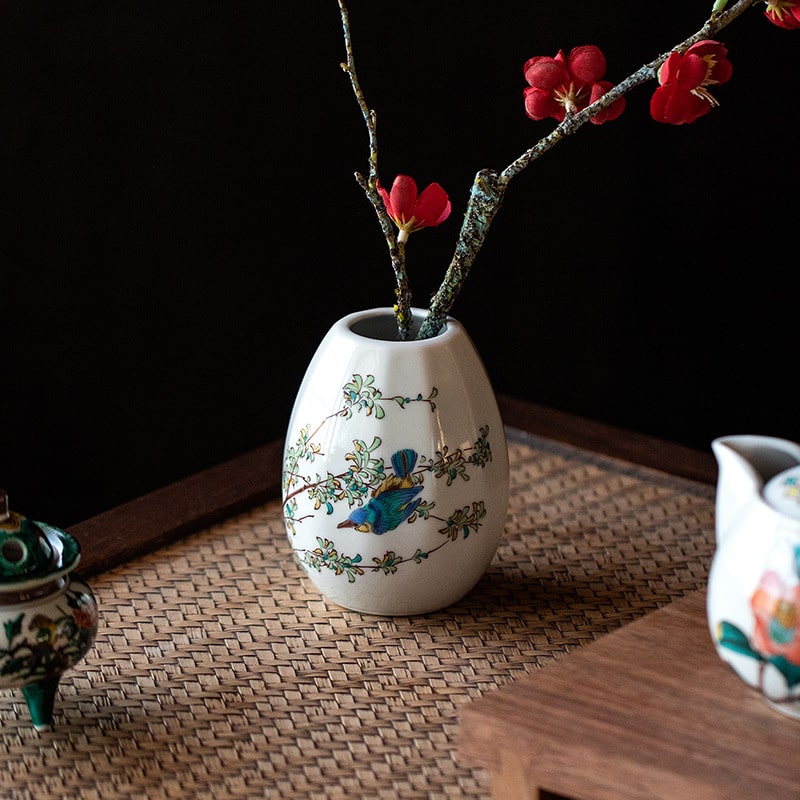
x=745, y=463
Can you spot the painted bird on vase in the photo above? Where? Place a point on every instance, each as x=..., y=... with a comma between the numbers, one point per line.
x=393, y=502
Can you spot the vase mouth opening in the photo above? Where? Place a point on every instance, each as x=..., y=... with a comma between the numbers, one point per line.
x=381, y=325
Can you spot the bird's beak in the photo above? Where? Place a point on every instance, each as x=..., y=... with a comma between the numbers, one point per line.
x=346, y=524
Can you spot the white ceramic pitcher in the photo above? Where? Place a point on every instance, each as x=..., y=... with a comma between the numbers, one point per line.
x=753, y=600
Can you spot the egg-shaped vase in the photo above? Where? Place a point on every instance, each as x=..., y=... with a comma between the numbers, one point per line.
x=395, y=467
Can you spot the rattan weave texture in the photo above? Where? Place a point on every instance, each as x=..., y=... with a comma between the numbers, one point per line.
x=220, y=672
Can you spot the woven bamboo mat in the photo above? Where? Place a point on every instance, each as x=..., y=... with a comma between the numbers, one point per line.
x=220, y=672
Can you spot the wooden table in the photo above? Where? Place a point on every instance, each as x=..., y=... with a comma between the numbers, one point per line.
x=648, y=712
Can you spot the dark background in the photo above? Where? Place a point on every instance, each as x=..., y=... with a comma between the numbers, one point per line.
x=180, y=224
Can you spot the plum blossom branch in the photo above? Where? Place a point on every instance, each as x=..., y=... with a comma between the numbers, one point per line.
x=489, y=186
x=646, y=73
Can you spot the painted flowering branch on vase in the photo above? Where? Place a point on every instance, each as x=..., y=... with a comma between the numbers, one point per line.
x=572, y=90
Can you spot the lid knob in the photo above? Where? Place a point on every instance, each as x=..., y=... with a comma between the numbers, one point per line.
x=5, y=514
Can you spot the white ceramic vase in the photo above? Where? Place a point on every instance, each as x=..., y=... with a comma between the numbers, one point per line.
x=395, y=471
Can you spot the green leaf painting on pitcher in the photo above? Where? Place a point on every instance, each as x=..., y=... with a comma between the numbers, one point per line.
x=775, y=640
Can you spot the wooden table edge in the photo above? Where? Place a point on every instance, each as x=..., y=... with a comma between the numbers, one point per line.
x=153, y=520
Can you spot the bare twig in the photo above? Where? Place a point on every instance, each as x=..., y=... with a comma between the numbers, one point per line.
x=397, y=252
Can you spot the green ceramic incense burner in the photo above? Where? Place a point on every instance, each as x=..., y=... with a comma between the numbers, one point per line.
x=49, y=617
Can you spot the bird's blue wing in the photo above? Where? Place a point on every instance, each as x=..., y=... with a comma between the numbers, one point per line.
x=390, y=509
